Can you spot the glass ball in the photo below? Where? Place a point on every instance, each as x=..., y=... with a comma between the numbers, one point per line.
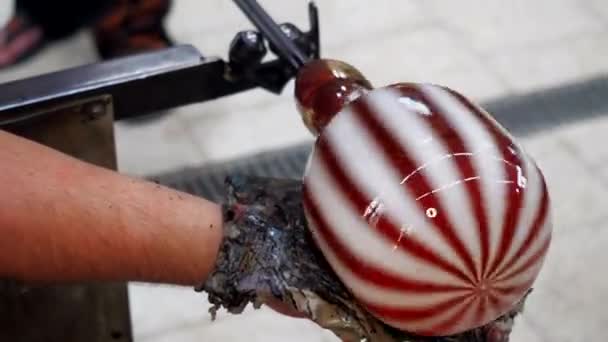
x=427, y=209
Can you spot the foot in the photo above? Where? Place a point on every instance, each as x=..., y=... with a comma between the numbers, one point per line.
x=19, y=39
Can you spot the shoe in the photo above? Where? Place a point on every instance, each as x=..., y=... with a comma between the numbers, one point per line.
x=19, y=39
x=132, y=27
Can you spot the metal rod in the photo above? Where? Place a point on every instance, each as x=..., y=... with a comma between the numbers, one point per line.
x=313, y=15
x=286, y=49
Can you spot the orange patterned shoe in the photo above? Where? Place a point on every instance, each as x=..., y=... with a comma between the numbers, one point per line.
x=19, y=39
x=132, y=26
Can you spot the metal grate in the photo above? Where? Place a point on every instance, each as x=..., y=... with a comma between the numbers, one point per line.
x=521, y=115
x=208, y=180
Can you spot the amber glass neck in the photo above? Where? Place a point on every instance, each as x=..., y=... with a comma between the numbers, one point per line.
x=323, y=87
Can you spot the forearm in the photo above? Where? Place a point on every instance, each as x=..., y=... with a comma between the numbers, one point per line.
x=65, y=220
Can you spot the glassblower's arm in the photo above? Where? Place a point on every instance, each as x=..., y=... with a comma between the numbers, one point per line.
x=64, y=220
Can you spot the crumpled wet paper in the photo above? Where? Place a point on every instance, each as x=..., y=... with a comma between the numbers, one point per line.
x=268, y=256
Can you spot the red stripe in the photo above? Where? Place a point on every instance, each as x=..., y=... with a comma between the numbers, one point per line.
x=494, y=302
x=399, y=157
x=509, y=291
x=505, y=298
x=499, y=304
x=449, y=324
x=381, y=223
x=361, y=268
x=455, y=144
x=483, y=305
x=533, y=234
x=533, y=260
x=511, y=217
x=413, y=314
x=515, y=198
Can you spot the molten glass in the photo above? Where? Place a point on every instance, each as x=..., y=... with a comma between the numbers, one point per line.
x=427, y=209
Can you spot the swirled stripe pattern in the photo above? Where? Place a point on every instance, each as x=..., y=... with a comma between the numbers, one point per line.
x=427, y=209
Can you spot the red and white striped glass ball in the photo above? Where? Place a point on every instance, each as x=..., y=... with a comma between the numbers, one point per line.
x=427, y=209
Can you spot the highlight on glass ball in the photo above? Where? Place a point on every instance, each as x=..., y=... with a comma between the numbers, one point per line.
x=427, y=209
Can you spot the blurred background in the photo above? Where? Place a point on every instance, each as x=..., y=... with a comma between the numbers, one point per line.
x=544, y=62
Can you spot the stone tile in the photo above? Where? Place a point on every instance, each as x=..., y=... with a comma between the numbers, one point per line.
x=472, y=79
x=156, y=309
x=590, y=51
x=204, y=16
x=603, y=172
x=542, y=143
x=523, y=331
x=348, y=23
x=490, y=27
x=557, y=312
x=598, y=7
x=6, y=10
x=537, y=67
x=569, y=297
x=253, y=325
x=577, y=195
x=228, y=132
x=552, y=63
x=178, y=314
x=426, y=55
x=588, y=140
x=156, y=146
x=209, y=25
